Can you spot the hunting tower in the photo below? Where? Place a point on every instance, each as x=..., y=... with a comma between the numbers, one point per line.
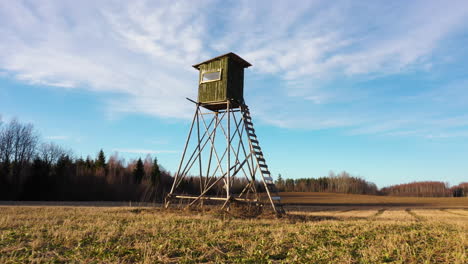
x=221, y=79
x=225, y=160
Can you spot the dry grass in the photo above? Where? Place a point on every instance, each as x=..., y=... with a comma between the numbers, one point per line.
x=150, y=235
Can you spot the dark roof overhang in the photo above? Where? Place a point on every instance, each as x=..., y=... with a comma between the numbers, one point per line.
x=231, y=55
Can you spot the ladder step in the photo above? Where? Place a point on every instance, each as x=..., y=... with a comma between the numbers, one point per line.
x=256, y=147
x=248, y=118
x=248, y=123
x=259, y=153
x=263, y=165
x=265, y=172
x=268, y=178
x=254, y=141
x=251, y=134
x=261, y=159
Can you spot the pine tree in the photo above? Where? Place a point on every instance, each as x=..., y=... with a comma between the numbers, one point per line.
x=89, y=162
x=101, y=160
x=155, y=174
x=280, y=183
x=139, y=171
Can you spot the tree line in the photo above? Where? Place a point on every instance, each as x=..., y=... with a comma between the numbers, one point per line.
x=426, y=189
x=35, y=170
x=336, y=183
x=345, y=183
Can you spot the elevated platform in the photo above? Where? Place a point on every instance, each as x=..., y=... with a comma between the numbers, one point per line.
x=217, y=106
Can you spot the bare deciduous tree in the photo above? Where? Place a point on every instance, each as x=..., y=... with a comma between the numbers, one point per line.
x=50, y=153
x=6, y=144
x=18, y=144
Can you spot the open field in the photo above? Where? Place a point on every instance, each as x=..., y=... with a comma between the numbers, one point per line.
x=303, y=201
x=151, y=235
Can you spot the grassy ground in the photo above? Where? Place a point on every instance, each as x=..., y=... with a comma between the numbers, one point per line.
x=150, y=235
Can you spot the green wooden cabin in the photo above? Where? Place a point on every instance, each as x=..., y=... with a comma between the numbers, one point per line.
x=221, y=80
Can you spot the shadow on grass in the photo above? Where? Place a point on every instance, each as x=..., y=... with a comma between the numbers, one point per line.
x=251, y=213
x=446, y=211
x=379, y=212
x=301, y=218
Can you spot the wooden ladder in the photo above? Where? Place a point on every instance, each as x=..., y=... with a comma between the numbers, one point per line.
x=270, y=186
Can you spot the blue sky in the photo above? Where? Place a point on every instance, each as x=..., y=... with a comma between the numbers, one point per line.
x=376, y=88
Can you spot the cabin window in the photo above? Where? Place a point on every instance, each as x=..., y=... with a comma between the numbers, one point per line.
x=211, y=76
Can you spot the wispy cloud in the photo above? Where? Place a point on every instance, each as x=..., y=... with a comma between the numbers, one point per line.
x=57, y=137
x=386, y=38
x=144, y=151
x=139, y=53
x=458, y=134
x=423, y=126
x=102, y=48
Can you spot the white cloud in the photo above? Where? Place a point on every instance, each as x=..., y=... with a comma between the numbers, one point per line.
x=92, y=48
x=446, y=135
x=57, y=137
x=138, y=54
x=304, y=39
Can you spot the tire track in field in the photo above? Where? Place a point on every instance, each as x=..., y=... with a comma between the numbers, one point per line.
x=379, y=212
x=346, y=210
x=446, y=211
x=417, y=217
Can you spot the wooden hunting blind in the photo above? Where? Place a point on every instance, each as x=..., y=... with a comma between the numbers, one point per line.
x=221, y=79
x=222, y=151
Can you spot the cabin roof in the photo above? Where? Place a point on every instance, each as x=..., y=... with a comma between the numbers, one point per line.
x=230, y=55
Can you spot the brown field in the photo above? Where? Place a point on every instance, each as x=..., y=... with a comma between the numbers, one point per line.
x=338, y=199
x=338, y=229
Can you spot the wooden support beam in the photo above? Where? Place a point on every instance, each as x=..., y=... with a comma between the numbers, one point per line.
x=214, y=198
x=239, y=149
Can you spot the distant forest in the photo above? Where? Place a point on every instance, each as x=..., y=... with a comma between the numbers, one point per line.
x=41, y=171
x=345, y=183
